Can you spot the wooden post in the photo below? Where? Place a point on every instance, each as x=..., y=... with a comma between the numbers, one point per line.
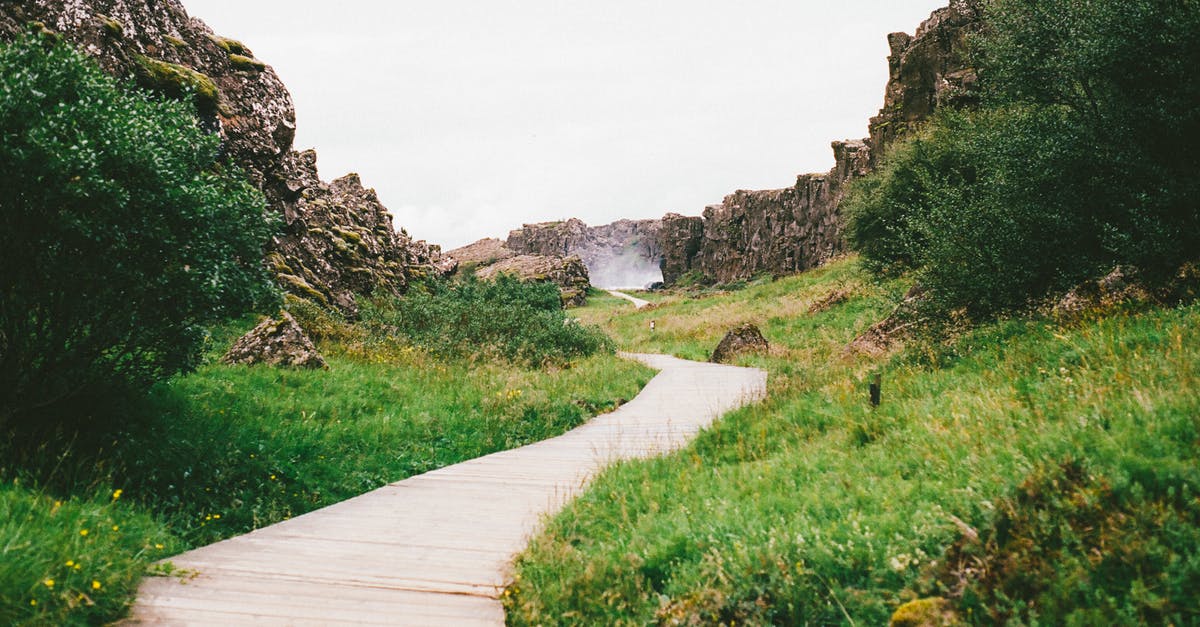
x=876, y=385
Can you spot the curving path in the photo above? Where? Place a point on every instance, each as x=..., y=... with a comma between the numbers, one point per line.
x=638, y=303
x=435, y=549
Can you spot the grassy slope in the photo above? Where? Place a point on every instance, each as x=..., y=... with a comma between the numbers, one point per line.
x=227, y=449
x=812, y=509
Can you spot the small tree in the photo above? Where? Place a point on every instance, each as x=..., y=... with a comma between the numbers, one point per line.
x=121, y=236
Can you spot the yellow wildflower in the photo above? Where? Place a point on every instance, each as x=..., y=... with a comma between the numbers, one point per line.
x=83, y=532
x=116, y=527
x=33, y=601
x=95, y=585
x=70, y=562
x=49, y=583
x=158, y=546
x=117, y=494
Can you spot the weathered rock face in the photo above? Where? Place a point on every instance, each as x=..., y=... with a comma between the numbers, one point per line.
x=626, y=253
x=278, y=342
x=926, y=70
x=481, y=253
x=680, y=238
x=744, y=339
x=159, y=45
x=778, y=231
x=568, y=273
x=788, y=230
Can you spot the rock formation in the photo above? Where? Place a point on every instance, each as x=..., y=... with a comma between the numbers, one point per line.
x=788, y=230
x=338, y=240
x=568, y=273
x=926, y=70
x=744, y=339
x=481, y=253
x=277, y=342
x=626, y=253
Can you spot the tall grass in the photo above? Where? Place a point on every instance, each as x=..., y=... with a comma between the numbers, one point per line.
x=230, y=448
x=812, y=508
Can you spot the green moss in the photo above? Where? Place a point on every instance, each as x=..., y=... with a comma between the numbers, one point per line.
x=278, y=264
x=247, y=64
x=111, y=26
x=230, y=46
x=176, y=42
x=176, y=80
x=348, y=235
x=301, y=288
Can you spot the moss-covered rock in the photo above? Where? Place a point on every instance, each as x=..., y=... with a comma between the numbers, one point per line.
x=246, y=64
x=177, y=81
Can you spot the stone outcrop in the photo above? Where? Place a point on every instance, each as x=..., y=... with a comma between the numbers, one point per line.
x=778, y=231
x=277, y=342
x=335, y=235
x=739, y=341
x=626, y=253
x=481, y=253
x=1122, y=285
x=880, y=337
x=925, y=71
x=793, y=229
x=568, y=273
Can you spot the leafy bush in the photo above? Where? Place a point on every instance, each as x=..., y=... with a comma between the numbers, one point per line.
x=121, y=237
x=1079, y=159
x=506, y=318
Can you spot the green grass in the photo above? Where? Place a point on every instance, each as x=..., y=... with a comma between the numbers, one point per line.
x=228, y=449
x=810, y=508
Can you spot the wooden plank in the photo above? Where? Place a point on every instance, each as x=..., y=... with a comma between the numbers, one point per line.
x=434, y=549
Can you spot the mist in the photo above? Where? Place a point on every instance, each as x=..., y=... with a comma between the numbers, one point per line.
x=629, y=270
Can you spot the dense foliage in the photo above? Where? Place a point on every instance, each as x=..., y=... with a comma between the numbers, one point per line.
x=506, y=318
x=121, y=237
x=1079, y=159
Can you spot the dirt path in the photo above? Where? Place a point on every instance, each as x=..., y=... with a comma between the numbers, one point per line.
x=637, y=302
x=435, y=549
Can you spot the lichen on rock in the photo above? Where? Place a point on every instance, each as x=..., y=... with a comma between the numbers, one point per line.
x=741, y=340
x=278, y=342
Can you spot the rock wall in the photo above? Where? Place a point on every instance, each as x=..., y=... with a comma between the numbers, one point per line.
x=338, y=240
x=925, y=71
x=626, y=253
x=792, y=229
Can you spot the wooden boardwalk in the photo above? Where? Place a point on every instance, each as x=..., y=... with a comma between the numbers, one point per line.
x=434, y=549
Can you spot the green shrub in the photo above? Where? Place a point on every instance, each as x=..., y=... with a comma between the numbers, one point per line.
x=505, y=317
x=1078, y=160
x=121, y=238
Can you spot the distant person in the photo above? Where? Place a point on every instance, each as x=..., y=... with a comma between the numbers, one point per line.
x=652, y=326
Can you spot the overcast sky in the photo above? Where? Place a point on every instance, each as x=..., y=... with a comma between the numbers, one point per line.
x=471, y=117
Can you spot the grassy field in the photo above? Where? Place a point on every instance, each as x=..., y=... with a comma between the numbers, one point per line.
x=228, y=449
x=1024, y=472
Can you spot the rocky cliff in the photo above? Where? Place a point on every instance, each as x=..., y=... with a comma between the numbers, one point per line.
x=626, y=253
x=792, y=229
x=925, y=71
x=338, y=240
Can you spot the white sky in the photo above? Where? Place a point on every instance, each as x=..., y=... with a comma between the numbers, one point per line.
x=471, y=117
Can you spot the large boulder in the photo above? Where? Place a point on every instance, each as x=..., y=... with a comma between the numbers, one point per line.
x=277, y=342
x=739, y=341
x=568, y=273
